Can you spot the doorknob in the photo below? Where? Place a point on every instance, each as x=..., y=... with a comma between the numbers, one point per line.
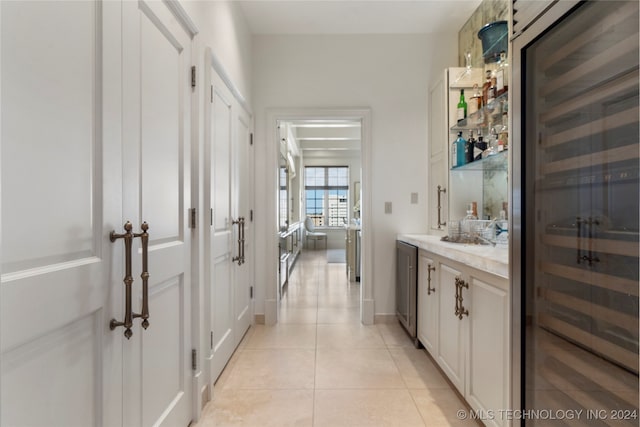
x=129, y=315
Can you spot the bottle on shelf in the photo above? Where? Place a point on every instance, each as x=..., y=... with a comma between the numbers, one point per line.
x=480, y=146
x=469, y=148
x=462, y=107
x=502, y=75
x=475, y=104
x=457, y=151
x=491, y=92
x=492, y=144
x=485, y=87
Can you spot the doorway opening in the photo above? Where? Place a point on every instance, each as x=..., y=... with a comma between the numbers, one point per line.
x=321, y=159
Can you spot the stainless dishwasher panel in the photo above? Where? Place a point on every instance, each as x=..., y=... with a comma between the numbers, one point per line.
x=406, y=287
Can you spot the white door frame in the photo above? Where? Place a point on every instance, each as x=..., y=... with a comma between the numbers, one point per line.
x=358, y=114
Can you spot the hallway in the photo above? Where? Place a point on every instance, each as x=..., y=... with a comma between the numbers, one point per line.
x=320, y=367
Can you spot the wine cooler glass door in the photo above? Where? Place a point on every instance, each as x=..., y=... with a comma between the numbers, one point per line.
x=581, y=153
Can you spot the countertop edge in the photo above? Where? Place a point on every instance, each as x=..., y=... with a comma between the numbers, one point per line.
x=493, y=260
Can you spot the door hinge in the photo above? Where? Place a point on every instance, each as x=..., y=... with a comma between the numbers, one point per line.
x=251, y=215
x=251, y=292
x=211, y=216
x=194, y=359
x=192, y=218
x=211, y=339
x=193, y=76
x=212, y=94
x=251, y=138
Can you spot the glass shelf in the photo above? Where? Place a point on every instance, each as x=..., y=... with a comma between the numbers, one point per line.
x=498, y=161
x=483, y=118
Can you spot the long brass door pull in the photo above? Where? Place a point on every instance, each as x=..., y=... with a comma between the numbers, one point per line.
x=240, y=258
x=129, y=315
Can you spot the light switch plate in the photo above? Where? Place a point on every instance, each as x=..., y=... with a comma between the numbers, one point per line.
x=387, y=207
x=414, y=198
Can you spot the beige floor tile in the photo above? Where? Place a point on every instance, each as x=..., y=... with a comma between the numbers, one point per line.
x=272, y=369
x=264, y=408
x=338, y=315
x=356, y=368
x=299, y=301
x=349, y=335
x=299, y=315
x=365, y=408
x=283, y=336
x=394, y=335
x=417, y=368
x=441, y=408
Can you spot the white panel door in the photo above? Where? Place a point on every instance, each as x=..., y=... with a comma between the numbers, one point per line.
x=61, y=196
x=156, y=158
x=228, y=178
x=222, y=240
x=243, y=277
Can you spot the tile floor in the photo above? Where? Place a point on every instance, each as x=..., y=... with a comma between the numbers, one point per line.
x=320, y=367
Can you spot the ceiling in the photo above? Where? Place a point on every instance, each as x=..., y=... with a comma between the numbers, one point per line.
x=356, y=16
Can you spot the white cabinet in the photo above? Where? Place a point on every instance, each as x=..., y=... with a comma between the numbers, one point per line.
x=438, y=158
x=452, y=330
x=488, y=345
x=427, y=302
x=463, y=322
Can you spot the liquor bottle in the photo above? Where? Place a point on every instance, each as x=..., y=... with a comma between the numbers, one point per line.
x=475, y=103
x=469, y=148
x=502, y=75
x=491, y=92
x=460, y=144
x=454, y=152
x=462, y=107
x=485, y=88
x=481, y=145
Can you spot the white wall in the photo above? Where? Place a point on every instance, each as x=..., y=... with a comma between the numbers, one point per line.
x=390, y=74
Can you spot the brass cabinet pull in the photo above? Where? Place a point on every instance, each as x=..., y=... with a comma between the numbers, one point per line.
x=430, y=290
x=144, y=238
x=460, y=310
x=240, y=258
x=129, y=315
x=128, y=279
x=440, y=223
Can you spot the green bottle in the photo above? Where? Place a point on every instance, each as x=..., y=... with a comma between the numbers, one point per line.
x=462, y=107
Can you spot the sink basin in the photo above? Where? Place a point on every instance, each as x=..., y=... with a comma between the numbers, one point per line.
x=468, y=240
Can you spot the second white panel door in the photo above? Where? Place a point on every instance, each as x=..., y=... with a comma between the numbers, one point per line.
x=156, y=161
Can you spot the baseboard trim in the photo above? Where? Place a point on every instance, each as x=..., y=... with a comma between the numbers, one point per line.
x=259, y=319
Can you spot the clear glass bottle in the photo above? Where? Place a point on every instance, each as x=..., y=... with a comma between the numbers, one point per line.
x=475, y=103
x=502, y=75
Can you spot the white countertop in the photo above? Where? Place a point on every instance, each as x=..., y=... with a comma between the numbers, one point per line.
x=494, y=260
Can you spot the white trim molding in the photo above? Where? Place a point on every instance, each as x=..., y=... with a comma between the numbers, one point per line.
x=273, y=115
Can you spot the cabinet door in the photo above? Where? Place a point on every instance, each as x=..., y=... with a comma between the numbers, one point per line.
x=427, y=303
x=438, y=158
x=487, y=376
x=451, y=337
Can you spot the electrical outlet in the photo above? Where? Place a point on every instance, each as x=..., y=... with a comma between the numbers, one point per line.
x=387, y=207
x=414, y=198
